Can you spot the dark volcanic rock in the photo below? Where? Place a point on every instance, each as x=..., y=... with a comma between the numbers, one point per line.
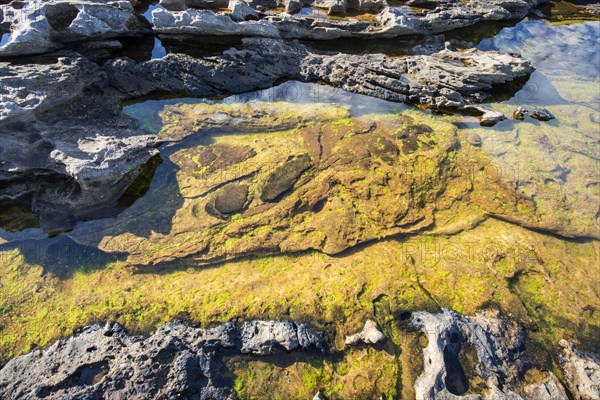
x=283, y=177
x=177, y=360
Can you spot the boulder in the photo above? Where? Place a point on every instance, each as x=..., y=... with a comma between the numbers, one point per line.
x=370, y=334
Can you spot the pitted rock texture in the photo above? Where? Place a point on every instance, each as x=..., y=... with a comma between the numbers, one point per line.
x=470, y=358
x=445, y=80
x=370, y=334
x=582, y=371
x=177, y=360
x=379, y=18
x=80, y=138
x=497, y=349
x=40, y=26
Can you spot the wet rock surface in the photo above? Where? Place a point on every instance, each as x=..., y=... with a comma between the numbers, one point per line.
x=323, y=184
x=177, y=360
x=71, y=106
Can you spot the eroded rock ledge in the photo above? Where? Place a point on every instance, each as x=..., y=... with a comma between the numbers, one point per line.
x=177, y=360
x=40, y=26
x=67, y=107
x=308, y=19
x=479, y=357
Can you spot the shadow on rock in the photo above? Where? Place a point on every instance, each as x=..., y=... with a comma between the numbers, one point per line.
x=61, y=256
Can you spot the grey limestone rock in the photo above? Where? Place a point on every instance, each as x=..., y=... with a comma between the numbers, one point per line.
x=177, y=360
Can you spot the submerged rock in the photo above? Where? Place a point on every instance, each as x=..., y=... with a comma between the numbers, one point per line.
x=71, y=107
x=283, y=177
x=207, y=22
x=540, y=114
x=231, y=199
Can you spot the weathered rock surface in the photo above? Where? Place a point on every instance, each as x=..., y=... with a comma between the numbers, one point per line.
x=474, y=358
x=327, y=182
x=384, y=20
x=33, y=88
x=370, y=334
x=262, y=337
x=64, y=151
x=177, y=360
x=231, y=199
x=582, y=371
x=497, y=359
x=41, y=26
x=75, y=138
x=445, y=80
x=207, y=22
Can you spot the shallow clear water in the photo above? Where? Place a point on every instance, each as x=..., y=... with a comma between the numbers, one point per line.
x=567, y=59
x=293, y=92
x=5, y=38
x=563, y=54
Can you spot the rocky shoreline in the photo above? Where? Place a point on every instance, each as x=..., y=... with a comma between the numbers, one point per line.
x=253, y=179
x=480, y=357
x=54, y=101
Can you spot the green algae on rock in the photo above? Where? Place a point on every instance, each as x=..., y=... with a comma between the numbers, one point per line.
x=311, y=177
x=495, y=264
